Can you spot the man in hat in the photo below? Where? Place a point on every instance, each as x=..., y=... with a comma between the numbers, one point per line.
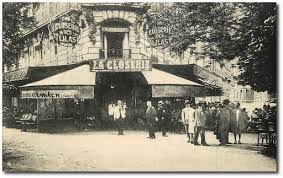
x=151, y=117
x=200, y=121
x=163, y=115
x=224, y=123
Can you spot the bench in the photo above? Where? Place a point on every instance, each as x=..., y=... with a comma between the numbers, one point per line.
x=27, y=121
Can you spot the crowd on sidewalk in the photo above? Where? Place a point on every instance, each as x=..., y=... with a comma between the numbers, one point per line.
x=195, y=119
x=177, y=117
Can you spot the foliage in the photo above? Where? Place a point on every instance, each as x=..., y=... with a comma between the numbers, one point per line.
x=257, y=46
x=228, y=31
x=15, y=22
x=91, y=23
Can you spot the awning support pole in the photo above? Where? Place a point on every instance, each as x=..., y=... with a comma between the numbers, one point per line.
x=37, y=115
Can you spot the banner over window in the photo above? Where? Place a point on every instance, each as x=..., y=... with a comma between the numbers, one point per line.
x=36, y=94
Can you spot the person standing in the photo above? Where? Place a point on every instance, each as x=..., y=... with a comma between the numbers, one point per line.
x=79, y=113
x=119, y=117
x=238, y=122
x=167, y=117
x=200, y=120
x=111, y=108
x=217, y=121
x=188, y=120
x=163, y=116
x=224, y=123
x=151, y=117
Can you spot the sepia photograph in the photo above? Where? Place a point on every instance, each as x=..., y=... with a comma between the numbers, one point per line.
x=186, y=87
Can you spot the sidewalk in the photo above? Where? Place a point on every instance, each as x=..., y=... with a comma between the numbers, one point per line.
x=106, y=151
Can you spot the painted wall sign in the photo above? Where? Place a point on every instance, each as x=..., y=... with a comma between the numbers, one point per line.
x=65, y=31
x=122, y=65
x=49, y=94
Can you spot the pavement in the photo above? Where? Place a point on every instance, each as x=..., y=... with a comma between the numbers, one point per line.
x=106, y=151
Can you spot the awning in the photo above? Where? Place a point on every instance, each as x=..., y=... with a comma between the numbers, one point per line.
x=77, y=82
x=158, y=77
x=164, y=84
x=80, y=81
x=35, y=73
x=81, y=76
x=192, y=72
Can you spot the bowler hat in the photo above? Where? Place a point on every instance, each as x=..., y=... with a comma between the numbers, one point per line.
x=226, y=101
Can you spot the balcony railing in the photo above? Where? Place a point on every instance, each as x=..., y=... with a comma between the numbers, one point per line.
x=115, y=53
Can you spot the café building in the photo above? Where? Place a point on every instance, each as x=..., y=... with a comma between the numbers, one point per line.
x=98, y=53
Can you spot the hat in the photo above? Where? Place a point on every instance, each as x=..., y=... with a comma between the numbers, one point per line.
x=160, y=102
x=226, y=101
x=200, y=103
x=187, y=102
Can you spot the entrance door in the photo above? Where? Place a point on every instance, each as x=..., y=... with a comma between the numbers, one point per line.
x=115, y=44
x=113, y=86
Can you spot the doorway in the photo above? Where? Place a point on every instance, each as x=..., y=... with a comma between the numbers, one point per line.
x=125, y=86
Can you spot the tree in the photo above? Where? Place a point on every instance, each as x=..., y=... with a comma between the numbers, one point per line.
x=15, y=22
x=228, y=31
x=258, y=37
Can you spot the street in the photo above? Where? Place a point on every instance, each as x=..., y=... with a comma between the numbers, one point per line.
x=106, y=151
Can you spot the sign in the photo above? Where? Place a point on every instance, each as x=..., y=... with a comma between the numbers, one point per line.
x=49, y=94
x=160, y=35
x=177, y=91
x=210, y=77
x=114, y=29
x=157, y=35
x=20, y=74
x=120, y=65
x=65, y=32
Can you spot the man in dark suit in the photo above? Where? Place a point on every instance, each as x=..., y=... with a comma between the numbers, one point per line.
x=79, y=113
x=151, y=118
x=224, y=123
x=163, y=116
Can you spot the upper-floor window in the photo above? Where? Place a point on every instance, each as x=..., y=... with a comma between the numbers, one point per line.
x=38, y=52
x=115, y=35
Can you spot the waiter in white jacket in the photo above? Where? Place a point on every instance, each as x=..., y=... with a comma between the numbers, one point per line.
x=119, y=116
x=188, y=120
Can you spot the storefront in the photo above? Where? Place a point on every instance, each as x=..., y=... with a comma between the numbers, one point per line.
x=213, y=84
x=53, y=97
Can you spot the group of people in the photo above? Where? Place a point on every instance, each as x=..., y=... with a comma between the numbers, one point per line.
x=228, y=117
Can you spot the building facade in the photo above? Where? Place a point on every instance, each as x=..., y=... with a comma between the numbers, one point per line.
x=112, y=32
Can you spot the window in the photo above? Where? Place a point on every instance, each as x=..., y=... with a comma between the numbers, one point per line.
x=56, y=50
